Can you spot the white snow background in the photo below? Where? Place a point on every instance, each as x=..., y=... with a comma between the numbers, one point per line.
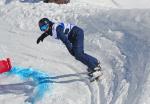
x=115, y=32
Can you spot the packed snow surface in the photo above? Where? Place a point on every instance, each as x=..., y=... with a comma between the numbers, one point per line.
x=117, y=37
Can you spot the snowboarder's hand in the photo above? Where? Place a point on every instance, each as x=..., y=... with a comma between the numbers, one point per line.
x=41, y=38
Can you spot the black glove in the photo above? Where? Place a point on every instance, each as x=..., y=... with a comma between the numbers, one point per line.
x=41, y=38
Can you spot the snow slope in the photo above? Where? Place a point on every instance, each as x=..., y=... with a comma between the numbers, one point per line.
x=118, y=38
x=130, y=4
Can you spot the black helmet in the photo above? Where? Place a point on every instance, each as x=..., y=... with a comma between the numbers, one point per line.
x=44, y=24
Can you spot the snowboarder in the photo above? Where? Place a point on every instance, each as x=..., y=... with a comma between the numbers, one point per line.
x=73, y=38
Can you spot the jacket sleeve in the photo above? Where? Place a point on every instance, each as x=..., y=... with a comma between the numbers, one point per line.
x=42, y=37
x=64, y=39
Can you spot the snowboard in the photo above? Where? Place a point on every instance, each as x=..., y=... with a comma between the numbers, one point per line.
x=95, y=76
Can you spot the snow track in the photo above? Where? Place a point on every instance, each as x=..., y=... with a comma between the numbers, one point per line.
x=93, y=87
x=132, y=57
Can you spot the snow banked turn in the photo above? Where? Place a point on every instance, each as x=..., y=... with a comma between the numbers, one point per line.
x=118, y=38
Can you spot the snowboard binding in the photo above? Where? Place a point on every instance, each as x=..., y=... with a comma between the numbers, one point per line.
x=95, y=73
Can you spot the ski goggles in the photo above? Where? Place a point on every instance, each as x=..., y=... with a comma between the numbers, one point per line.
x=44, y=27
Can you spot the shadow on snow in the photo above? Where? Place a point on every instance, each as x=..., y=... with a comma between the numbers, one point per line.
x=37, y=83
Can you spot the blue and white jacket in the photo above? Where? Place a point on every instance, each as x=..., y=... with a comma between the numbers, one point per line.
x=61, y=31
x=57, y=27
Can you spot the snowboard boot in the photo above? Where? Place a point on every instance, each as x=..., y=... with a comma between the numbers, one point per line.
x=96, y=71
